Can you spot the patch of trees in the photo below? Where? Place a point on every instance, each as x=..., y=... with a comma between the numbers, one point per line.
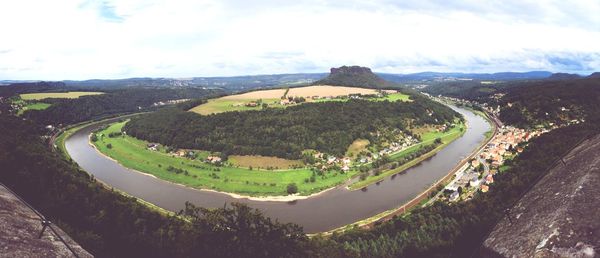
x=70, y=111
x=329, y=127
x=109, y=224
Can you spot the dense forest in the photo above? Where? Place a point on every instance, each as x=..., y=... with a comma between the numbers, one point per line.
x=328, y=127
x=69, y=111
x=555, y=102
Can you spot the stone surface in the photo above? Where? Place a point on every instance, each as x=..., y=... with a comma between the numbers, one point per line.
x=559, y=216
x=20, y=227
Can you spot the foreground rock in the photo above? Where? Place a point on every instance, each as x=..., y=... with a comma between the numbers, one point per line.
x=558, y=217
x=20, y=228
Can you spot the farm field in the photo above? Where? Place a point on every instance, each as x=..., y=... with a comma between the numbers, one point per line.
x=57, y=95
x=263, y=162
x=132, y=153
x=356, y=147
x=328, y=91
x=219, y=105
x=272, y=98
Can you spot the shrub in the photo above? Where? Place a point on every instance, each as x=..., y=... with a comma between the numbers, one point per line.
x=292, y=188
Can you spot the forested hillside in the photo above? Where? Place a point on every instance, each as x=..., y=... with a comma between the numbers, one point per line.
x=70, y=111
x=328, y=127
x=557, y=102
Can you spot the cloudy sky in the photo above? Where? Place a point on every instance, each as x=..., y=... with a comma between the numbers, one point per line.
x=69, y=39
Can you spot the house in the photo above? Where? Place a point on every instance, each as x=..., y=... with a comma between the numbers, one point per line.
x=180, y=153
x=346, y=161
x=331, y=159
x=484, y=188
x=475, y=163
x=345, y=168
x=251, y=104
x=152, y=146
x=496, y=164
x=451, y=187
x=213, y=159
x=475, y=182
x=489, y=179
x=454, y=196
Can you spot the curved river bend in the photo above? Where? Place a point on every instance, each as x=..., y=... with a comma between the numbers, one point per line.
x=332, y=209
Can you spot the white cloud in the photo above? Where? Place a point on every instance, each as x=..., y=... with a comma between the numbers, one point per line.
x=160, y=38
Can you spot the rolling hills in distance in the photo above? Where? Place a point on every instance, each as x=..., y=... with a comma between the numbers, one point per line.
x=248, y=82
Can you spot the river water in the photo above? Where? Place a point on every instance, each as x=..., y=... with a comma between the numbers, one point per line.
x=332, y=209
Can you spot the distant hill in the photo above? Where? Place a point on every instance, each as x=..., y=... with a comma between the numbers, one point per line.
x=355, y=76
x=234, y=83
x=435, y=76
x=594, y=75
x=551, y=101
x=564, y=76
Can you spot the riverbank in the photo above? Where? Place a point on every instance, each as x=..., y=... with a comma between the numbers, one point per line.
x=447, y=138
x=423, y=197
x=333, y=209
x=259, y=184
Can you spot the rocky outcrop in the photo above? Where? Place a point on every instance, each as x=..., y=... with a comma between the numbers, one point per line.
x=355, y=76
x=19, y=230
x=558, y=217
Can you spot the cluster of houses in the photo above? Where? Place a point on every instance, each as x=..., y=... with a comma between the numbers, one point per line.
x=325, y=162
x=328, y=162
x=394, y=147
x=479, y=172
x=169, y=102
x=213, y=159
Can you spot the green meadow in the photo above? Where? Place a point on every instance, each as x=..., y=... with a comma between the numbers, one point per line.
x=132, y=153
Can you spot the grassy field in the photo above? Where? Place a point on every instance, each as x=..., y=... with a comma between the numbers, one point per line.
x=395, y=97
x=33, y=106
x=219, y=105
x=132, y=153
x=263, y=162
x=356, y=147
x=426, y=139
x=57, y=95
x=327, y=91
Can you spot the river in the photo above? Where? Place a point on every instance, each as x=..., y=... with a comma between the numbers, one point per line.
x=332, y=209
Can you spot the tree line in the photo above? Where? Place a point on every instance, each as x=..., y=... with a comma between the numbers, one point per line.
x=328, y=127
x=70, y=111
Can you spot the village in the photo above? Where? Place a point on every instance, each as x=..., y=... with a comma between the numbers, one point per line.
x=477, y=175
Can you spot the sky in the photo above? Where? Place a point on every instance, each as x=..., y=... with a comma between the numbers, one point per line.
x=86, y=39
